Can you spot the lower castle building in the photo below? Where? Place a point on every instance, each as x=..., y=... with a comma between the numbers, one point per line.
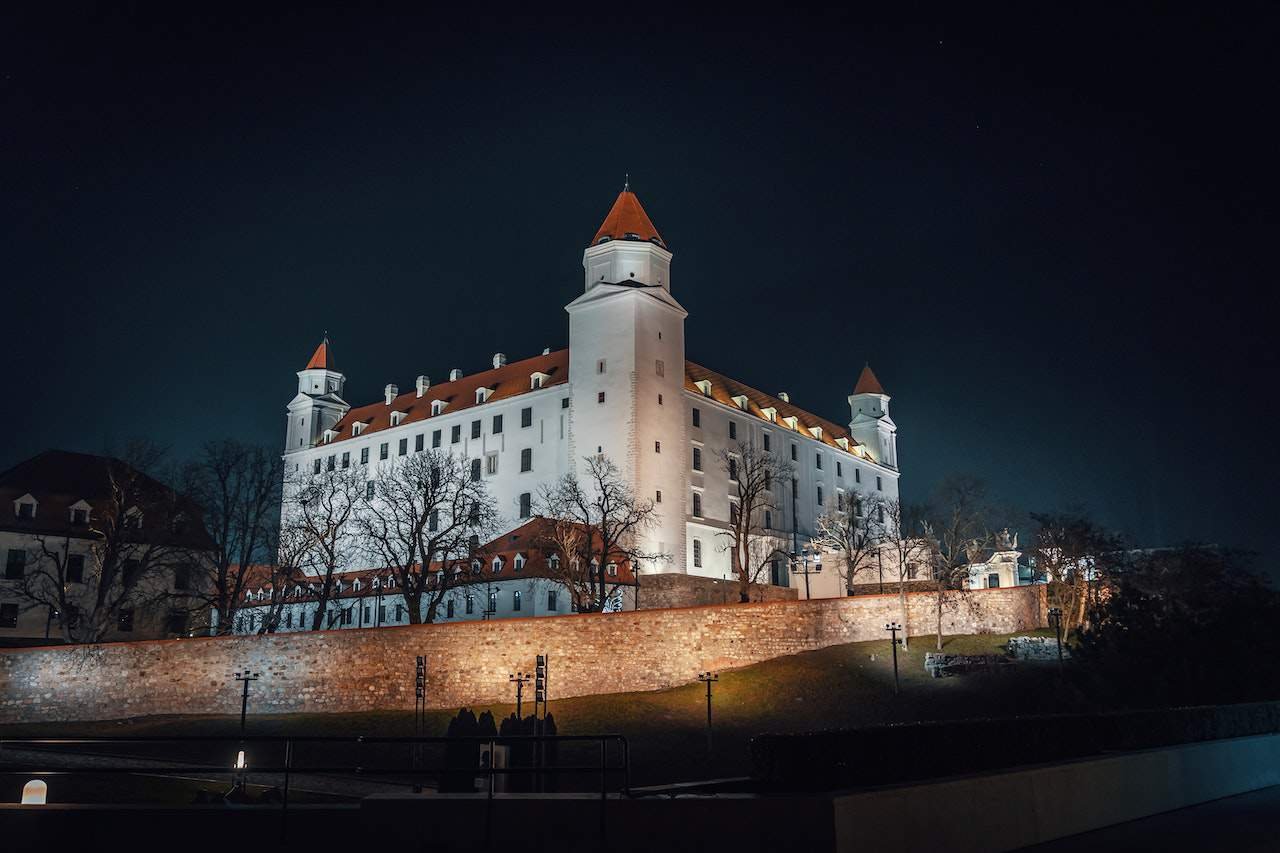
x=623, y=388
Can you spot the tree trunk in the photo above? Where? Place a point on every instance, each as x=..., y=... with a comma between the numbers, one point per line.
x=413, y=600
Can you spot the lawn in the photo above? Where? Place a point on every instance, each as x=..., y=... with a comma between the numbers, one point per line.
x=838, y=687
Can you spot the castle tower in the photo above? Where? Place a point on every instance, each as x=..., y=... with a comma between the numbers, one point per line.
x=626, y=369
x=319, y=404
x=871, y=425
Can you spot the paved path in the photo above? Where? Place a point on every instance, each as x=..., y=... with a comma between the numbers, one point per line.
x=1240, y=824
x=317, y=783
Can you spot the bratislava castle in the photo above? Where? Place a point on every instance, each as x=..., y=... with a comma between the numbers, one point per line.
x=622, y=388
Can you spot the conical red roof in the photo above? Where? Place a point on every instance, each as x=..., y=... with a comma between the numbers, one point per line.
x=628, y=221
x=321, y=359
x=867, y=383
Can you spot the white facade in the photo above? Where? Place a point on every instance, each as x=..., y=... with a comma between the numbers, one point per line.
x=627, y=392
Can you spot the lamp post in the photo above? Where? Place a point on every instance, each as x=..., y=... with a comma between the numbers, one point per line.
x=1055, y=619
x=245, y=677
x=519, y=680
x=802, y=559
x=893, y=628
x=708, y=678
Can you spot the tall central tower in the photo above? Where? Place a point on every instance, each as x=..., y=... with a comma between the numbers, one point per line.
x=626, y=369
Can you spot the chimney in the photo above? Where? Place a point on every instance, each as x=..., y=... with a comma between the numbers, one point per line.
x=499, y=359
x=784, y=396
x=390, y=393
x=423, y=384
x=455, y=375
x=546, y=350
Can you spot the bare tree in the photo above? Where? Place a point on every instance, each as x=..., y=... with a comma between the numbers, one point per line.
x=1073, y=553
x=317, y=517
x=428, y=508
x=903, y=548
x=283, y=572
x=141, y=534
x=753, y=474
x=563, y=539
x=855, y=532
x=610, y=517
x=954, y=536
x=237, y=487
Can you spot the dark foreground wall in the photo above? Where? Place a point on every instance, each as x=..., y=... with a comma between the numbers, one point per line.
x=468, y=662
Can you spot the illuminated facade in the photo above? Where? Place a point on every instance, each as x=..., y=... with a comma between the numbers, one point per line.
x=624, y=388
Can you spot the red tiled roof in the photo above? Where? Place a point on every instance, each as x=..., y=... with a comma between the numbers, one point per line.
x=510, y=380
x=528, y=539
x=628, y=221
x=724, y=389
x=868, y=383
x=320, y=359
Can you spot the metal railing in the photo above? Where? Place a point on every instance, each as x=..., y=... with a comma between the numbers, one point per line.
x=92, y=763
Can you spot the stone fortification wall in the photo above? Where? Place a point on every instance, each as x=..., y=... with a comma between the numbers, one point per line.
x=679, y=590
x=468, y=662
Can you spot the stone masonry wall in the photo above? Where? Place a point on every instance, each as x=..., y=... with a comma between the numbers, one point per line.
x=678, y=590
x=468, y=662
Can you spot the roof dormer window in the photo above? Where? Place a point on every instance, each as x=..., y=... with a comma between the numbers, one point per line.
x=704, y=386
x=816, y=432
x=792, y=421
x=355, y=585
x=770, y=414
x=437, y=407
x=357, y=427
x=518, y=562
x=537, y=379
x=329, y=435
x=79, y=512
x=483, y=394
x=25, y=506
x=844, y=443
x=741, y=401
x=476, y=567
x=554, y=562
x=497, y=565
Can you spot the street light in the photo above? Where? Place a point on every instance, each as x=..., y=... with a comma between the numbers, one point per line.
x=35, y=793
x=245, y=677
x=1055, y=619
x=893, y=628
x=708, y=678
x=802, y=559
x=520, y=679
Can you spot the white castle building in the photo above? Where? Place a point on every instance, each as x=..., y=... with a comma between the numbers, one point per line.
x=624, y=388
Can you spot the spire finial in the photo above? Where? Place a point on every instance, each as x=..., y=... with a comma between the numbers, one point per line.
x=626, y=183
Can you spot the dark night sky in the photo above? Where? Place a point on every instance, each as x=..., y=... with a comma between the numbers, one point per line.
x=1049, y=234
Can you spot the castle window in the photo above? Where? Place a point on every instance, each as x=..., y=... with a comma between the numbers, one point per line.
x=697, y=417
x=383, y=450
x=742, y=402
x=418, y=441
x=368, y=490
x=879, y=484
x=554, y=562
x=433, y=521
x=793, y=453
x=356, y=429
x=518, y=563
x=657, y=447
x=535, y=381
x=346, y=459
x=497, y=424
x=475, y=429
x=659, y=368
x=697, y=459
x=697, y=553
x=839, y=469
x=497, y=565
x=75, y=568
x=659, y=399
x=564, y=402
x=475, y=470
x=491, y=463
x=767, y=442
x=993, y=581
x=315, y=469
x=818, y=460
x=403, y=447
x=79, y=516
x=819, y=496
x=526, y=416
x=435, y=438
x=455, y=434
x=857, y=475
x=396, y=418
x=733, y=430
x=612, y=569
x=526, y=508
x=697, y=505
x=657, y=496
x=526, y=459
x=768, y=519
x=364, y=456
x=551, y=600
x=515, y=600
x=471, y=604
x=600, y=366
x=600, y=397
x=733, y=469
x=437, y=407
x=330, y=463
x=449, y=609
x=704, y=386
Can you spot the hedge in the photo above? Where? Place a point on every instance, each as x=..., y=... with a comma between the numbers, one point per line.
x=912, y=751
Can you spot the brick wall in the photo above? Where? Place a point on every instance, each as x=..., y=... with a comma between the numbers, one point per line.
x=680, y=590
x=468, y=662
